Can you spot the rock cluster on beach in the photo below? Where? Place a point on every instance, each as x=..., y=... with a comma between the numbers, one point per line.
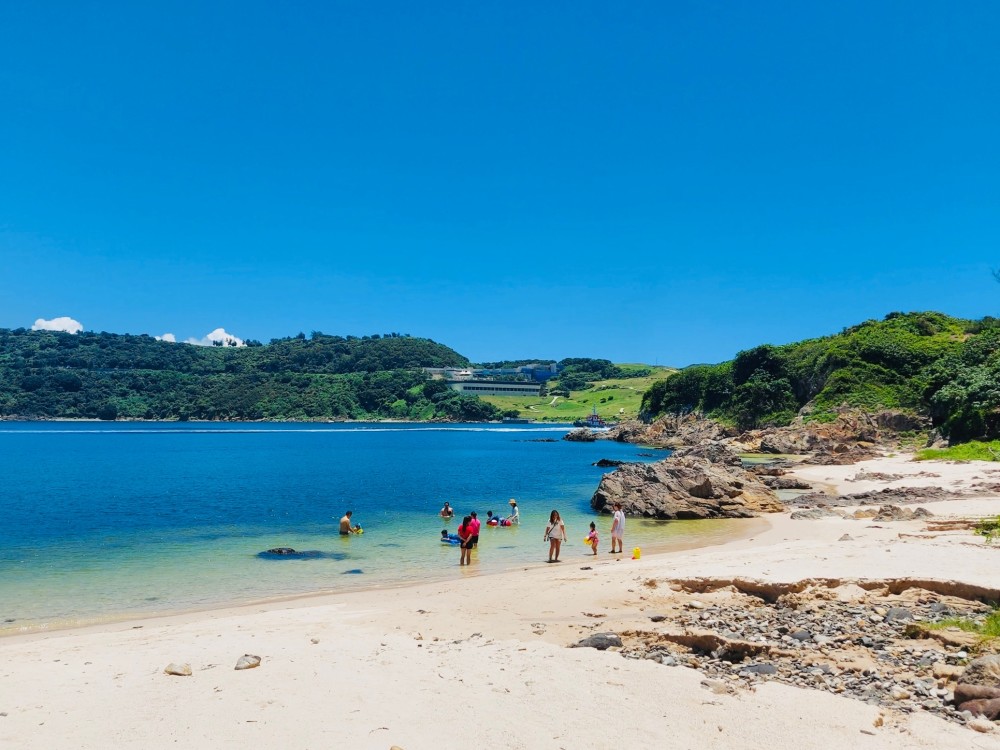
x=707, y=481
x=705, y=477
x=865, y=643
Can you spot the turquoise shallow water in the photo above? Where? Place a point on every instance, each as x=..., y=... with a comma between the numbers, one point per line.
x=108, y=521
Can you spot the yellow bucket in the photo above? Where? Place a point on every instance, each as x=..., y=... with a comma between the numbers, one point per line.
x=636, y=553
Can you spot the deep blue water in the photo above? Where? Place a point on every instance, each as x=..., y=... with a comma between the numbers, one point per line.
x=111, y=519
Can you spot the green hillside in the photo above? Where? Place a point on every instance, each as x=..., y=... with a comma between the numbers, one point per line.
x=929, y=363
x=614, y=398
x=45, y=374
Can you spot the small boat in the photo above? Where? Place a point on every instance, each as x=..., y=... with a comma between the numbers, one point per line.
x=592, y=421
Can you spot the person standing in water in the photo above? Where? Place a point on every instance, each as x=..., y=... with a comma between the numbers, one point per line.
x=476, y=525
x=345, y=524
x=515, y=516
x=465, y=540
x=555, y=532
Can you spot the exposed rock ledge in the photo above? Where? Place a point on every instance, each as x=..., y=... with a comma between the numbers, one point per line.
x=703, y=482
x=853, y=436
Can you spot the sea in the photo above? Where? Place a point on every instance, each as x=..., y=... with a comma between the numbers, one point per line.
x=111, y=521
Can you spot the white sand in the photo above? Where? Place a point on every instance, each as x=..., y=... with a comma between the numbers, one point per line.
x=482, y=662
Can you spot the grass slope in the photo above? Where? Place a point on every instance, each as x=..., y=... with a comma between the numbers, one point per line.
x=614, y=399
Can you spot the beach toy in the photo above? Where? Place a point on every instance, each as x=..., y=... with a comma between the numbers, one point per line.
x=586, y=540
x=636, y=552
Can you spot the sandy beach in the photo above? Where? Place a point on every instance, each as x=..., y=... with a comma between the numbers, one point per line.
x=483, y=661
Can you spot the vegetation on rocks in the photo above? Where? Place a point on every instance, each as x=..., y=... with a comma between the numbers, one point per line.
x=974, y=450
x=928, y=363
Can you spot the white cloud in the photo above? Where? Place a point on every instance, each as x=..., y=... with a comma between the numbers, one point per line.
x=219, y=334
x=58, y=324
x=167, y=337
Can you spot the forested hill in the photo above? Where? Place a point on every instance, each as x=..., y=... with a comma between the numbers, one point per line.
x=928, y=363
x=46, y=374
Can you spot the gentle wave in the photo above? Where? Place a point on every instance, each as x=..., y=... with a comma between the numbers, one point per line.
x=264, y=431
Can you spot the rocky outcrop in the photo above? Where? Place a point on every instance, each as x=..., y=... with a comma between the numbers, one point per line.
x=670, y=431
x=606, y=463
x=887, y=496
x=600, y=641
x=853, y=436
x=978, y=690
x=843, y=455
x=868, y=640
x=686, y=487
x=984, y=671
x=785, y=483
x=714, y=452
x=581, y=435
x=895, y=513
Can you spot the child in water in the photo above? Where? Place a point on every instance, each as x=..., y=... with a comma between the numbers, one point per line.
x=592, y=537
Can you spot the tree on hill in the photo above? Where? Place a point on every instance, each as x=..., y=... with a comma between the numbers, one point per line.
x=930, y=363
x=45, y=374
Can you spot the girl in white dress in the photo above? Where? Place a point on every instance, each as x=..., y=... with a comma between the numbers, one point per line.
x=555, y=532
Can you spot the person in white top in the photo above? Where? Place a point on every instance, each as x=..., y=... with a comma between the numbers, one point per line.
x=617, y=528
x=555, y=532
x=515, y=515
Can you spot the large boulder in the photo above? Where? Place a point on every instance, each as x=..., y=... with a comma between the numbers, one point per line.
x=713, y=451
x=600, y=641
x=984, y=671
x=685, y=487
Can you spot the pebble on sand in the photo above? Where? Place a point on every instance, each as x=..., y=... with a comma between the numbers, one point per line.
x=247, y=661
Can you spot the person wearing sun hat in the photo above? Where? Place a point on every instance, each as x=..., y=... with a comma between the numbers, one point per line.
x=515, y=515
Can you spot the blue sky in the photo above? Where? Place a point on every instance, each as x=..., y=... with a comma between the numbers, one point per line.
x=662, y=182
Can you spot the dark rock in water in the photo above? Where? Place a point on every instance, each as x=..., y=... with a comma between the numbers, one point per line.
x=539, y=440
x=353, y=572
x=581, y=435
x=287, y=553
x=608, y=462
x=600, y=641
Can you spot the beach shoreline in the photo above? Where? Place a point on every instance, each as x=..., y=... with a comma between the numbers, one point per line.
x=334, y=665
x=747, y=528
